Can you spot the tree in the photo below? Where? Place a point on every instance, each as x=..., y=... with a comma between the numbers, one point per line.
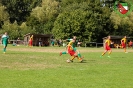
x=19, y=10
x=122, y=25
x=12, y=29
x=25, y=29
x=86, y=20
x=42, y=17
x=4, y=16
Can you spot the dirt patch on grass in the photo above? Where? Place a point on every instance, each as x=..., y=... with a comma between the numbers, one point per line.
x=60, y=49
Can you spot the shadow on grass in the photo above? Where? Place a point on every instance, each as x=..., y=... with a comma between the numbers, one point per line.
x=86, y=61
x=118, y=57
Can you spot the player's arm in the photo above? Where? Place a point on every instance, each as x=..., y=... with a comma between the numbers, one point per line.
x=32, y=36
x=69, y=39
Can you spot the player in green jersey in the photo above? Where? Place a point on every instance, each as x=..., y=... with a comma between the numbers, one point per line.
x=5, y=38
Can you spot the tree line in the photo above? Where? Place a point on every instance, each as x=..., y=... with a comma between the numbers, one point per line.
x=89, y=20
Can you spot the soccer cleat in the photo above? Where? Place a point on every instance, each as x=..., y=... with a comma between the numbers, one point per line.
x=108, y=56
x=60, y=53
x=71, y=60
x=101, y=56
x=81, y=59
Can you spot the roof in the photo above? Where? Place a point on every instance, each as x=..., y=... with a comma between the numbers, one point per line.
x=116, y=37
x=38, y=35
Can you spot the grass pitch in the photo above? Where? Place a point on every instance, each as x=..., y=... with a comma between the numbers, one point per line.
x=42, y=67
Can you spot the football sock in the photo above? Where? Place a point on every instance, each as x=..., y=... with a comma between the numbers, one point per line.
x=103, y=54
x=125, y=50
x=64, y=52
x=79, y=55
x=4, y=49
x=109, y=53
x=72, y=57
x=79, y=58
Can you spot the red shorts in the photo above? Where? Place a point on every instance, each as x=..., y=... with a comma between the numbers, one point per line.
x=70, y=51
x=30, y=43
x=107, y=47
x=123, y=45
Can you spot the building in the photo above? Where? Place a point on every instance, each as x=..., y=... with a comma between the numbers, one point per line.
x=38, y=39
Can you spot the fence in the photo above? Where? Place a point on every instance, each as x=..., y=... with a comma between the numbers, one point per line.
x=94, y=44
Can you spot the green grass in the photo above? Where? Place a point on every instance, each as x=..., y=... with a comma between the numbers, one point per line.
x=42, y=67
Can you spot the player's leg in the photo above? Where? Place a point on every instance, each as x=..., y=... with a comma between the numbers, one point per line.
x=106, y=49
x=72, y=54
x=4, y=49
x=72, y=58
x=109, y=52
x=78, y=56
x=63, y=53
x=125, y=48
x=68, y=49
x=104, y=53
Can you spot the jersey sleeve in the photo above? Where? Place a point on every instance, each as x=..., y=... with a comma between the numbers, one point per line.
x=69, y=39
x=107, y=42
x=70, y=43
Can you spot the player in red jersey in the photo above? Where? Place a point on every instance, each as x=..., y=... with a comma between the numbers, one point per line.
x=31, y=41
x=107, y=47
x=72, y=52
x=123, y=43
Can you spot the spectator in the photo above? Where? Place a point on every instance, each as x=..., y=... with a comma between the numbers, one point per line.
x=130, y=44
x=52, y=42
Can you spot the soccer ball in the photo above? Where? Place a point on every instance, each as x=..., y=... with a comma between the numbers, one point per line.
x=68, y=61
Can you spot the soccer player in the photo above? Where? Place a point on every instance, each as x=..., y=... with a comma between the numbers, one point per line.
x=31, y=41
x=74, y=53
x=107, y=47
x=123, y=43
x=5, y=38
x=130, y=44
x=65, y=52
x=71, y=49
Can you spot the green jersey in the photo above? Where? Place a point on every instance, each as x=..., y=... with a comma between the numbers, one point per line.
x=5, y=39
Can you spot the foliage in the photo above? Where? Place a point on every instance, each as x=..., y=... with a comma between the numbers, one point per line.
x=26, y=29
x=3, y=15
x=89, y=20
x=85, y=20
x=42, y=18
x=122, y=25
x=19, y=10
x=12, y=29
